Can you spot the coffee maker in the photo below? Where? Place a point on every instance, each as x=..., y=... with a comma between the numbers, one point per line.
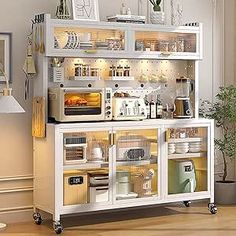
x=183, y=107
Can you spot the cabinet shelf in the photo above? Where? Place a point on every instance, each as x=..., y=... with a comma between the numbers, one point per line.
x=88, y=165
x=185, y=140
x=136, y=163
x=85, y=78
x=186, y=155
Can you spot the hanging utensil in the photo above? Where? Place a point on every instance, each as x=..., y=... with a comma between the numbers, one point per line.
x=41, y=42
x=29, y=67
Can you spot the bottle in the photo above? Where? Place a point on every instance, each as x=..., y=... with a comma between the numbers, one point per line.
x=147, y=106
x=128, y=12
x=159, y=107
x=123, y=9
x=153, y=111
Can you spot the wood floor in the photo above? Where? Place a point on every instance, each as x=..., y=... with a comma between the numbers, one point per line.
x=172, y=220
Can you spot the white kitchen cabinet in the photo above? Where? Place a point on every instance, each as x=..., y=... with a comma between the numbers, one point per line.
x=135, y=160
x=96, y=166
x=60, y=40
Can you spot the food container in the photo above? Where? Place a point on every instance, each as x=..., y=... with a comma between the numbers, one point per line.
x=139, y=45
x=180, y=45
x=75, y=188
x=163, y=46
x=78, y=69
x=119, y=71
x=173, y=46
x=133, y=148
x=94, y=72
x=123, y=185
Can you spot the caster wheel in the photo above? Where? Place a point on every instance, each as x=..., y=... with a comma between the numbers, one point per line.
x=58, y=228
x=212, y=208
x=187, y=203
x=37, y=219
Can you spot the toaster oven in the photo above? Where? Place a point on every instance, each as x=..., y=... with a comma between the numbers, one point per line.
x=80, y=104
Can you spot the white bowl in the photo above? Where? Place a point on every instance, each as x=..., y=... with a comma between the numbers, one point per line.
x=181, y=151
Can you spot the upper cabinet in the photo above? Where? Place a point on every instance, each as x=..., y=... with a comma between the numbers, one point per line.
x=70, y=38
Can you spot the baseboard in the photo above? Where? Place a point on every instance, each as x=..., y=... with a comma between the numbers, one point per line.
x=10, y=217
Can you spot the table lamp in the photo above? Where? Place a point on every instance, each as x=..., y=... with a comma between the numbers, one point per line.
x=8, y=104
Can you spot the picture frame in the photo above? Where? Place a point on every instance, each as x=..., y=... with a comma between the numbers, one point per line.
x=86, y=10
x=6, y=56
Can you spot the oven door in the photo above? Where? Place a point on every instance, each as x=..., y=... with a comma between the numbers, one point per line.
x=83, y=104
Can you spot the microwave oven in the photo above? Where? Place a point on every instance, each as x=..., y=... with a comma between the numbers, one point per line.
x=74, y=104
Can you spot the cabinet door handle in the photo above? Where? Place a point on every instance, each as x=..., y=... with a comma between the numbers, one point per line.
x=111, y=139
x=166, y=54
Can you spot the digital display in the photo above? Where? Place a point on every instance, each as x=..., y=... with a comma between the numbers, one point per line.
x=76, y=180
x=108, y=96
x=188, y=168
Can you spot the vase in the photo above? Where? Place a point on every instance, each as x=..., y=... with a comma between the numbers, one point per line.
x=225, y=192
x=157, y=17
x=176, y=12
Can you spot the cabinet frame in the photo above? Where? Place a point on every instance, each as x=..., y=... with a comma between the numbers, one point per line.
x=55, y=161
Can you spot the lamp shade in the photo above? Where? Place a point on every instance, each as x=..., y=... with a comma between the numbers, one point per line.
x=8, y=104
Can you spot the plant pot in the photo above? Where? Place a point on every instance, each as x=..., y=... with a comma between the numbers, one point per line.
x=225, y=192
x=157, y=17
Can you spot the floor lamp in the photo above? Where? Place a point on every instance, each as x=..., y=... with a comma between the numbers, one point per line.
x=8, y=104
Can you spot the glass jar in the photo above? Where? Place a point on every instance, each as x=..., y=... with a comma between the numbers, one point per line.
x=164, y=46
x=112, y=71
x=180, y=45
x=127, y=71
x=94, y=72
x=153, y=46
x=78, y=69
x=86, y=70
x=173, y=46
x=119, y=71
x=139, y=45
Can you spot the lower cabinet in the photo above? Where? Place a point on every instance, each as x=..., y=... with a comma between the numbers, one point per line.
x=102, y=166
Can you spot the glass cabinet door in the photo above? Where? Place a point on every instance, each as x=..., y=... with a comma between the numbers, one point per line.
x=136, y=164
x=187, y=160
x=165, y=42
x=86, y=168
x=80, y=38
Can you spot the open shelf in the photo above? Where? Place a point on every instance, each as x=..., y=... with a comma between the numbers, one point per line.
x=85, y=78
x=136, y=163
x=186, y=155
x=184, y=140
x=88, y=165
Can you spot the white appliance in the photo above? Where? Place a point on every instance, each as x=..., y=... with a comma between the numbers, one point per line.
x=74, y=104
x=99, y=187
x=128, y=108
x=75, y=149
x=133, y=148
x=183, y=176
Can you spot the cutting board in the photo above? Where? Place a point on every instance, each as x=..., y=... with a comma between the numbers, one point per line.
x=38, y=118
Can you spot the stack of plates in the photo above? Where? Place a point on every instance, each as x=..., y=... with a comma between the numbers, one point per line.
x=86, y=45
x=171, y=148
x=101, y=45
x=181, y=148
x=195, y=147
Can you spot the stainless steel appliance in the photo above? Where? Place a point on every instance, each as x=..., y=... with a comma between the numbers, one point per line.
x=80, y=104
x=133, y=148
x=75, y=149
x=183, y=106
x=128, y=108
x=99, y=187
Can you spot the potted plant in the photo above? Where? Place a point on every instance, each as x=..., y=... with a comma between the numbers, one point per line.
x=223, y=111
x=157, y=16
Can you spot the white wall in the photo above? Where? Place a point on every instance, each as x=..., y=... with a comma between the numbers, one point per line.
x=15, y=132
